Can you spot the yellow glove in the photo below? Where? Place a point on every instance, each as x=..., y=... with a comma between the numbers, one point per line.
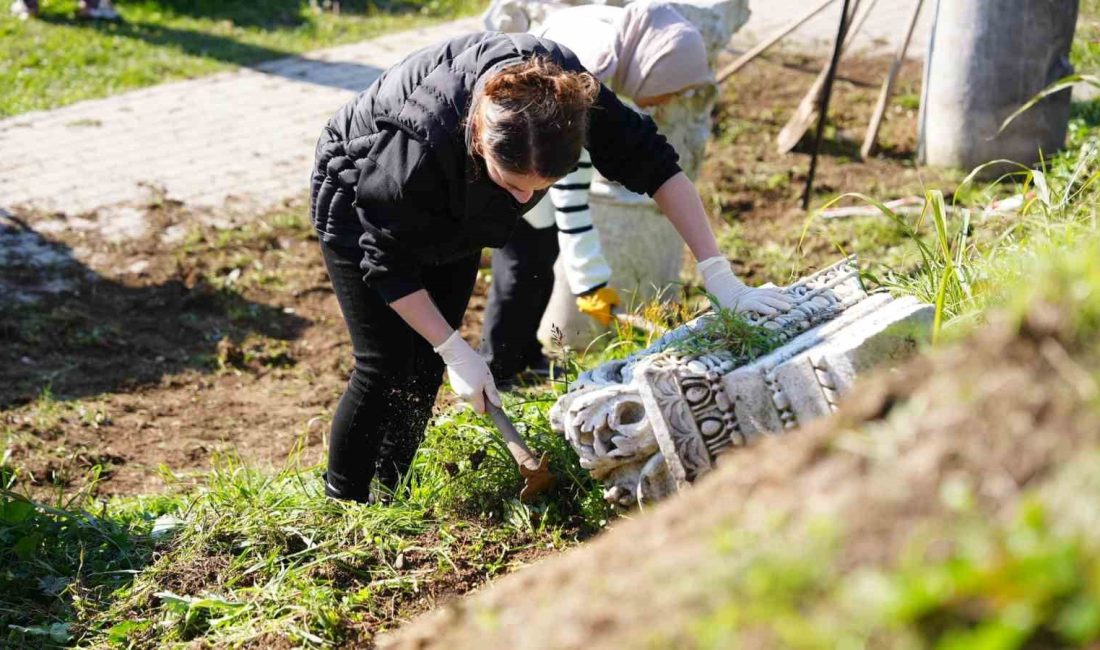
x=598, y=304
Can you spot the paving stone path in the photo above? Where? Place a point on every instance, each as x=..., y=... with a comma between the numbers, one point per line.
x=884, y=29
x=247, y=136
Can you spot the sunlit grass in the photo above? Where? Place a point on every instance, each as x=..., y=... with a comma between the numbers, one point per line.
x=57, y=59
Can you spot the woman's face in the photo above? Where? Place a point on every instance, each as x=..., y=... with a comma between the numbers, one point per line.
x=521, y=186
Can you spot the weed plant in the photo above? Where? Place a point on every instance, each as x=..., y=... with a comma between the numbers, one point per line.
x=464, y=466
x=969, y=258
x=724, y=330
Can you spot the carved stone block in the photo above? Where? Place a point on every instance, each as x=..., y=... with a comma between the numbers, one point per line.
x=655, y=421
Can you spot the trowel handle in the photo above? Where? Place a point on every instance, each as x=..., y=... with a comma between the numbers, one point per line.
x=637, y=322
x=515, y=443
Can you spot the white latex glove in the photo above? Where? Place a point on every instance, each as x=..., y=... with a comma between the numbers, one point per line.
x=720, y=282
x=470, y=377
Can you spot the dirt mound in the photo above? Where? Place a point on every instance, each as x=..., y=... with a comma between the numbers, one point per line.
x=969, y=429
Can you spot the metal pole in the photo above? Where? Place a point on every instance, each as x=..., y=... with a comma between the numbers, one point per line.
x=803, y=119
x=823, y=112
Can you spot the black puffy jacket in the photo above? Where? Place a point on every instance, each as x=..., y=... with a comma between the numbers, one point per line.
x=393, y=174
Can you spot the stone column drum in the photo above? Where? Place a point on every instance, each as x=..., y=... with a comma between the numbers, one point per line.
x=986, y=59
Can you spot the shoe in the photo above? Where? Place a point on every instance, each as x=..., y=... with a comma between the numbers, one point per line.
x=102, y=11
x=23, y=10
x=538, y=370
x=373, y=496
x=540, y=367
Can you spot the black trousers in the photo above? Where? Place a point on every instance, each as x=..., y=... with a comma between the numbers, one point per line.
x=380, y=420
x=523, y=278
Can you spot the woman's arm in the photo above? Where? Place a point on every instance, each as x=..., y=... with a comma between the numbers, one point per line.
x=627, y=148
x=468, y=372
x=418, y=310
x=586, y=267
x=680, y=202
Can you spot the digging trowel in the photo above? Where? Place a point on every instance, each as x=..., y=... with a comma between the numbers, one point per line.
x=536, y=474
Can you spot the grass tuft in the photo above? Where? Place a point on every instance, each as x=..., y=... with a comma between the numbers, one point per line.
x=726, y=331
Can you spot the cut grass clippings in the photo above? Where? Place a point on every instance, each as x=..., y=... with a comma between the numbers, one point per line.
x=58, y=59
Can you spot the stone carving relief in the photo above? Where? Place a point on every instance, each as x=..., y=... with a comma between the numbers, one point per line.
x=608, y=429
x=659, y=419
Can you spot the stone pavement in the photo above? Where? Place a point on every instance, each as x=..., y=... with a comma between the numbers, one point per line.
x=247, y=135
x=883, y=31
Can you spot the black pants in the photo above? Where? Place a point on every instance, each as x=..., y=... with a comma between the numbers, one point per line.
x=380, y=420
x=523, y=278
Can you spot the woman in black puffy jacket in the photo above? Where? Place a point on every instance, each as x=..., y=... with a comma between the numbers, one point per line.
x=432, y=163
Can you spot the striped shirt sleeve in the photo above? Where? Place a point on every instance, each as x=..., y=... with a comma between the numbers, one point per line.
x=586, y=268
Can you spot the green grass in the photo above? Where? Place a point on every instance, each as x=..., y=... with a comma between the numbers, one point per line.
x=57, y=59
x=728, y=332
x=259, y=554
x=964, y=261
x=1085, y=54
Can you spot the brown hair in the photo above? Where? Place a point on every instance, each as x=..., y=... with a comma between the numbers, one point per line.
x=532, y=117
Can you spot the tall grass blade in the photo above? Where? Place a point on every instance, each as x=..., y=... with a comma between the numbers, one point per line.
x=1057, y=86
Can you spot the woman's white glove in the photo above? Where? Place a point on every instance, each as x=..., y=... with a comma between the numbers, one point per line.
x=731, y=293
x=470, y=377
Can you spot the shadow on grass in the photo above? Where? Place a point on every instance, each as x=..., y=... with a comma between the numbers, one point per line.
x=336, y=74
x=61, y=561
x=67, y=328
x=270, y=14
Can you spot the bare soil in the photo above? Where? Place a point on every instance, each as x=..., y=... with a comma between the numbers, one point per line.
x=748, y=185
x=442, y=587
x=160, y=354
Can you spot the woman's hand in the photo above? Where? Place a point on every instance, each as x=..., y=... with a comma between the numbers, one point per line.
x=470, y=377
x=599, y=304
x=731, y=293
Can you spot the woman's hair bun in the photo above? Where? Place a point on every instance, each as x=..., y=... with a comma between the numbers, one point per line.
x=540, y=81
x=532, y=117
